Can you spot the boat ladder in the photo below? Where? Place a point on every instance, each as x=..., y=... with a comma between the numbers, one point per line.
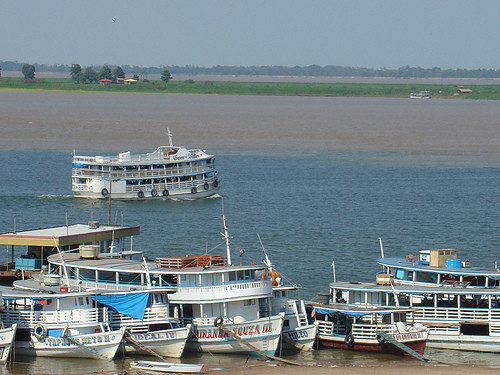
x=127, y=336
x=402, y=346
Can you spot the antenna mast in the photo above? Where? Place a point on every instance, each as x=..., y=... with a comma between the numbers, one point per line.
x=225, y=236
x=170, y=143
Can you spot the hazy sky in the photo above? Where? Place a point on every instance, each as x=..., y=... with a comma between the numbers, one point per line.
x=371, y=33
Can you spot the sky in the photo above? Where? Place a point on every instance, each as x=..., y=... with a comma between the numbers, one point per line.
x=374, y=34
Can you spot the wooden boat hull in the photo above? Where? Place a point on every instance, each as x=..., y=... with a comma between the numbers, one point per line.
x=417, y=343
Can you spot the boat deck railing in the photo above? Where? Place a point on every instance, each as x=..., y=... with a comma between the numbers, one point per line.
x=456, y=314
x=143, y=173
x=157, y=314
x=152, y=157
x=358, y=330
x=201, y=290
x=26, y=318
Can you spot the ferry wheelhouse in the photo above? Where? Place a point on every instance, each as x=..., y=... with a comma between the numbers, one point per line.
x=168, y=172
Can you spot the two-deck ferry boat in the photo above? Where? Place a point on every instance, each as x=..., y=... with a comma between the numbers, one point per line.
x=229, y=306
x=168, y=172
x=460, y=305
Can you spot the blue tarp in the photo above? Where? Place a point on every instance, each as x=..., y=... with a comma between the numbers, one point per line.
x=129, y=304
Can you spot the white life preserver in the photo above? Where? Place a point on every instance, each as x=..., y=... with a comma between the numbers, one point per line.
x=40, y=331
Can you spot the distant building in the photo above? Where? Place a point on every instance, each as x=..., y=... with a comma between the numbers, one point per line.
x=105, y=81
x=130, y=81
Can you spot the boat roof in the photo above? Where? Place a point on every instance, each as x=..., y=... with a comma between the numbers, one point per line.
x=68, y=235
x=8, y=292
x=416, y=266
x=415, y=289
x=137, y=266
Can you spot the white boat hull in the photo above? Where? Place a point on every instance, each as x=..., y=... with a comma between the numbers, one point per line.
x=165, y=367
x=263, y=334
x=173, y=194
x=94, y=345
x=300, y=337
x=6, y=340
x=168, y=343
x=489, y=344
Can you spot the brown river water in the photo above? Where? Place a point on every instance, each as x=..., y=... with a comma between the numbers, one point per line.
x=119, y=122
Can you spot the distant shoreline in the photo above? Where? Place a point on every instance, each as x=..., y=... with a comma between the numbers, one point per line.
x=298, y=79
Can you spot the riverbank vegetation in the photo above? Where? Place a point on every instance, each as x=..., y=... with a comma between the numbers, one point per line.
x=490, y=92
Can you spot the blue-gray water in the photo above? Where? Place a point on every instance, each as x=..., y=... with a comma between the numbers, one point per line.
x=309, y=208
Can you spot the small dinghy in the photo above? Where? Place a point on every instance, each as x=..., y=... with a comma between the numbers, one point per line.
x=165, y=367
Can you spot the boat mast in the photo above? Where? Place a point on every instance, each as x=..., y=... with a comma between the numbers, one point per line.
x=170, y=143
x=225, y=236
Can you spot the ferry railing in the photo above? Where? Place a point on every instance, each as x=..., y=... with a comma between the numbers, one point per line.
x=456, y=313
x=143, y=173
x=26, y=318
x=137, y=158
x=223, y=288
x=369, y=331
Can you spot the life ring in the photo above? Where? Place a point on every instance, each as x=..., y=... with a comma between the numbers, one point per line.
x=165, y=193
x=206, y=186
x=194, y=190
x=40, y=331
x=381, y=339
x=348, y=339
x=154, y=193
x=216, y=183
x=140, y=194
x=105, y=193
x=218, y=321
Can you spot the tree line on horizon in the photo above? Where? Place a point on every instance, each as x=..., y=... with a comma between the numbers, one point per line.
x=310, y=70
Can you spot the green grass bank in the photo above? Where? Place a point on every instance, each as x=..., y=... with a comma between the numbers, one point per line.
x=486, y=92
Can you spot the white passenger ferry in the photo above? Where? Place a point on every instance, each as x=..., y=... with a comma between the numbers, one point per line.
x=168, y=172
x=229, y=306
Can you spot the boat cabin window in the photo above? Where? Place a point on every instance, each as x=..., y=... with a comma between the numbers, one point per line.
x=400, y=274
x=399, y=317
x=242, y=275
x=425, y=277
x=129, y=278
x=107, y=276
x=475, y=329
x=248, y=302
x=86, y=275
x=170, y=280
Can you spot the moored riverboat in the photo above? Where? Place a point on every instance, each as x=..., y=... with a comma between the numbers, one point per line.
x=168, y=172
x=58, y=325
x=228, y=306
x=360, y=328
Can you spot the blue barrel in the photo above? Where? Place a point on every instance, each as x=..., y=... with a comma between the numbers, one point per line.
x=453, y=263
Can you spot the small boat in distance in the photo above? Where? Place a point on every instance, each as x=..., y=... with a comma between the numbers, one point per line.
x=168, y=172
x=421, y=95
